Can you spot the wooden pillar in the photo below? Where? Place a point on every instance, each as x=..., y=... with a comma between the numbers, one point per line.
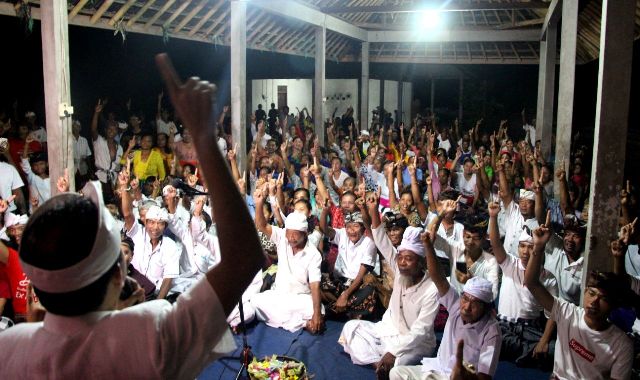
x=612, y=116
x=239, y=78
x=319, y=83
x=364, y=87
x=566, y=86
x=460, y=96
x=57, y=92
x=546, y=90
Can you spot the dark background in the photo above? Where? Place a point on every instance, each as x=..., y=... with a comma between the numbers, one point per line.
x=102, y=65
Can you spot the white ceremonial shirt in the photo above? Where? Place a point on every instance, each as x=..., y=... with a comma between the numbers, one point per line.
x=80, y=153
x=9, y=181
x=512, y=223
x=482, y=340
x=38, y=186
x=632, y=261
x=568, y=275
x=516, y=301
x=157, y=263
x=351, y=255
x=411, y=313
x=152, y=340
x=583, y=353
x=455, y=233
x=486, y=266
x=295, y=272
x=105, y=168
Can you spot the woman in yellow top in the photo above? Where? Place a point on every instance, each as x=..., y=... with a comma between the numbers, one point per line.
x=148, y=162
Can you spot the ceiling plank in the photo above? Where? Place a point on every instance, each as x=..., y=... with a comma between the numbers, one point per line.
x=449, y=6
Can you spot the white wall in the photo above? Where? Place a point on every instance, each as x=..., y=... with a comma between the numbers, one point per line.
x=374, y=98
x=335, y=91
x=407, y=96
x=390, y=96
x=299, y=93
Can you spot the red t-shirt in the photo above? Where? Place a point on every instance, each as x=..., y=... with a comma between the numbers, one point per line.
x=17, y=282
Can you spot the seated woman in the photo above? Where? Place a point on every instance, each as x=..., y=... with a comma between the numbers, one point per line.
x=147, y=162
x=345, y=290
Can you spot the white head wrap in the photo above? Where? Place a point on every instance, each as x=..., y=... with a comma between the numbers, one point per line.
x=525, y=237
x=296, y=221
x=480, y=288
x=166, y=189
x=105, y=251
x=527, y=194
x=11, y=219
x=364, y=132
x=157, y=213
x=411, y=241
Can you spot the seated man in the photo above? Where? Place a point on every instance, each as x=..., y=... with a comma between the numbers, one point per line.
x=83, y=336
x=527, y=334
x=345, y=290
x=405, y=333
x=470, y=319
x=294, y=301
x=588, y=345
x=155, y=256
x=467, y=258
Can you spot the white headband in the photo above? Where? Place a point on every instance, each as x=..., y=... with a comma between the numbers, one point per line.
x=157, y=213
x=11, y=219
x=525, y=237
x=296, y=221
x=527, y=194
x=480, y=288
x=411, y=241
x=105, y=251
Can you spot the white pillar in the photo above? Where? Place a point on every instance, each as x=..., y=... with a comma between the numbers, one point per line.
x=364, y=87
x=239, y=78
x=57, y=92
x=546, y=90
x=319, y=84
x=567, y=81
x=612, y=116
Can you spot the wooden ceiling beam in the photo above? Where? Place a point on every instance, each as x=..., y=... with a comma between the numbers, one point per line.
x=449, y=6
x=205, y=18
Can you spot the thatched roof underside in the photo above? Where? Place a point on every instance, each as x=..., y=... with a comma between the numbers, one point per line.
x=209, y=21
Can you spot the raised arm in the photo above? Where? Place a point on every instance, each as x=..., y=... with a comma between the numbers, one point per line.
x=415, y=191
x=94, y=120
x=532, y=275
x=505, y=190
x=494, y=233
x=433, y=267
x=324, y=226
x=258, y=198
x=240, y=258
x=565, y=202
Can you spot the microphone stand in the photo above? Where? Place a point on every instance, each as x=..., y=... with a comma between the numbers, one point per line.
x=246, y=356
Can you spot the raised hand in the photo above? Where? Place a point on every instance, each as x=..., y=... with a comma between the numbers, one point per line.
x=283, y=147
x=450, y=205
x=373, y=200
x=493, y=208
x=63, y=182
x=192, y=179
x=4, y=203
x=542, y=234
x=231, y=153
x=99, y=107
x=123, y=179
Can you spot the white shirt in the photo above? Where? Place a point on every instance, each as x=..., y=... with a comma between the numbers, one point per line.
x=80, y=153
x=583, y=353
x=157, y=263
x=411, y=311
x=38, y=186
x=106, y=169
x=88, y=346
x=632, y=261
x=351, y=256
x=444, y=144
x=482, y=340
x=295, y=272
x=512, y=223
x=516, y=301
x=39, y=134
x=9, y=181
x=569, y=276
x=222, y=145
x=197, y=257
x=162, y=127
x=454, y=233
x=486, y=266
x=532, y=133
x=341, y=178
x=467, y=188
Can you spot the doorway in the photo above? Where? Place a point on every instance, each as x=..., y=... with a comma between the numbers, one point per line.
x=282, y=96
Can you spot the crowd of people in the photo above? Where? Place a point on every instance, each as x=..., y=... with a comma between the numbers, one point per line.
x=400, y=229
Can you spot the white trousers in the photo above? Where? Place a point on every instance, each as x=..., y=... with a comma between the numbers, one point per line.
x=415, y=372
x=281, y=310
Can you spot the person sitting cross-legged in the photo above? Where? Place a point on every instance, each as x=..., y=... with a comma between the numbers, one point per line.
x=588, y=346
x=470, y=319
x=405, y=334
x=294, y=301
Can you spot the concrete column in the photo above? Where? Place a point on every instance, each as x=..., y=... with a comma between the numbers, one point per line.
x=239, y=78
x=546, y=90
x=460, y=96
x=567, y=81
x=57, y=92
x=364, y=87
x=612, y=116
x=319, y=83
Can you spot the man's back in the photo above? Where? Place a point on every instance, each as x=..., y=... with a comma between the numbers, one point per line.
x=144, y=341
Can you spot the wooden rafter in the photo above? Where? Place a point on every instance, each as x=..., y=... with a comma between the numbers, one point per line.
x=205, y=18
x=141, y=12
x=175, y=14
x=185, y=20
x=449, y=6
x=103, y=8
x=159, y=13
x=121, y=12
x=77, y=9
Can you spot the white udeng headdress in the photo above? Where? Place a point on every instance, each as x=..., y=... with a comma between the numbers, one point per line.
x=105, y=251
